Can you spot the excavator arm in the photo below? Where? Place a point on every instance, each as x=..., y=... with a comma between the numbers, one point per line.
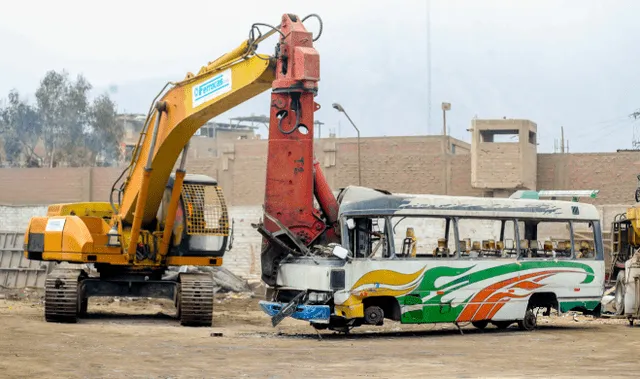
x=178, y=115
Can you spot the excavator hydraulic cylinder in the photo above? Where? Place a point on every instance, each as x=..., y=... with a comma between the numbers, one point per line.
x=144, y=188
x=173, y=204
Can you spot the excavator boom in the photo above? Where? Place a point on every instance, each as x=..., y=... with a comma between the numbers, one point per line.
x=188, y=106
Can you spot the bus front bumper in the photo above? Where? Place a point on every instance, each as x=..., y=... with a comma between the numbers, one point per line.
x=319, y=314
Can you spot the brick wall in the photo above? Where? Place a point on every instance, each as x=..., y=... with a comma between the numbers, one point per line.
x=614, y=174
x=397, y=164
x=403, y=164
x=460, y=178
x=498, y=165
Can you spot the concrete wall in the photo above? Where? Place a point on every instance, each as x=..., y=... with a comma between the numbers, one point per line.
x=16, y=219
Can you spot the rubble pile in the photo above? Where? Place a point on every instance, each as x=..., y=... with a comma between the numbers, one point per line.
x=225, y=281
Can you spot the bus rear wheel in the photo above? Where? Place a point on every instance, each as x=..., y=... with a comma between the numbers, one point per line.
x=529, y=322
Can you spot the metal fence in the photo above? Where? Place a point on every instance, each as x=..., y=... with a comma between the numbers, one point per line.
x=16, y=271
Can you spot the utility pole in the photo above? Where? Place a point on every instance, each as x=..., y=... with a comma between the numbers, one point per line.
x=319, y=124
x=444, y=122
x=562, y=139
x=428, y=67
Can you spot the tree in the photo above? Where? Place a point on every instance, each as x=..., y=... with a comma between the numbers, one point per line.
x=21, y=129
x=73, y=131
x=63, y=107
x=106, y=131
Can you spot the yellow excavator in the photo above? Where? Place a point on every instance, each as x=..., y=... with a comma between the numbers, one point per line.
x=155, y=217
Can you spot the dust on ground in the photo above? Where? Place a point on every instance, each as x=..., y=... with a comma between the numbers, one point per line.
x=142, y=339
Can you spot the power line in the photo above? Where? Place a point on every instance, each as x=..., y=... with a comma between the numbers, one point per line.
x=428, y=66
x=602, y=132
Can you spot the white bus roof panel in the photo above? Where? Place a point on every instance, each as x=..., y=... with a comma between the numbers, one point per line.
x=359, y=200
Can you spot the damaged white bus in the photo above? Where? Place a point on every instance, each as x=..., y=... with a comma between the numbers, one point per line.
x=444, y=259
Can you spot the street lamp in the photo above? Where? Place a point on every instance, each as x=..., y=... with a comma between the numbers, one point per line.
x=339, y=108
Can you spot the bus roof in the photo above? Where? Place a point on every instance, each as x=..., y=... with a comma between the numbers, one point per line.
x=366, y=201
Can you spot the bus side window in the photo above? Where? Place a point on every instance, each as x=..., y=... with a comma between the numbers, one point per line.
x=485, y=238
x=546, y=239
x=584, y=245
x=367, y=237
x=509, y=240
x=424, y=237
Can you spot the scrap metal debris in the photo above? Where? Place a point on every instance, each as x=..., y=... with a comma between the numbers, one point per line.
x=224, y=280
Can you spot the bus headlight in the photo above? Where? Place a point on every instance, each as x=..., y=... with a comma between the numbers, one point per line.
x=318, y=297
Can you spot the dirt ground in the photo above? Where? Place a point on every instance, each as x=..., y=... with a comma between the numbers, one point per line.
x=141, y=339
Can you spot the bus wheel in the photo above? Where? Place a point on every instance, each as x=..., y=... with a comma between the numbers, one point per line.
x=480, y=324
x=529, y=322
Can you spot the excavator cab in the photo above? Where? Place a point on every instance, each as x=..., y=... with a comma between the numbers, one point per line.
x=201, y=227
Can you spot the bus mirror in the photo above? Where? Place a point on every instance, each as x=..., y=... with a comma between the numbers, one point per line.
x=340, y=252
x=350, y=223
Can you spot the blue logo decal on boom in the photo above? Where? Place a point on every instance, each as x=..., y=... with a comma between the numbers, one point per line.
x=211, y=88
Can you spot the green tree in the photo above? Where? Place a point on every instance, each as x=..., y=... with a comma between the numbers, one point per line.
x=64, y=109
x=73, y=130
x=21, y=129
x=106, y=131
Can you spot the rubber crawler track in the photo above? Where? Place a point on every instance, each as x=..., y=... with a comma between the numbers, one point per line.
x=196, y=299
x=61, y=296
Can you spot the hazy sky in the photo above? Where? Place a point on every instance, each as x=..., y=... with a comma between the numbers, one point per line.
x=558, y=63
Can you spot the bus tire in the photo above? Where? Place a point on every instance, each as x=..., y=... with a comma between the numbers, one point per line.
x=529, y=322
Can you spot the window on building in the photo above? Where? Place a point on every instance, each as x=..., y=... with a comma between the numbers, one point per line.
x=500, y=136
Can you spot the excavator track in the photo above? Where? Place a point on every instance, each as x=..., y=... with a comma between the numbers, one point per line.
x=195, y=306
x=61, y=296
